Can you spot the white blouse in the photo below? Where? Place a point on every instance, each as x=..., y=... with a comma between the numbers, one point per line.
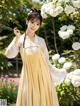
x=13, y=49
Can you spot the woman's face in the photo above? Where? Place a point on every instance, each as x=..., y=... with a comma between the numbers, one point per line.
x=33, y=25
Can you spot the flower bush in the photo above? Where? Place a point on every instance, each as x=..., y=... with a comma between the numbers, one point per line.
x=62, y=62
x=8, y=89
x=73, y=78
x=69, y=90
x=68, y=95
x=68, y=87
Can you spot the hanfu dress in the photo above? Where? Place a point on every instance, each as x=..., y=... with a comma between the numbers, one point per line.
x=36, y=85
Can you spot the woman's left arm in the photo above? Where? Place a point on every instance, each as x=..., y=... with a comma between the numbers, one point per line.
x=46, y=54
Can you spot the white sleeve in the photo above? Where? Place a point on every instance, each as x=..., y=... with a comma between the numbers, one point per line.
x=56, y=74
x=45, y=50
x=12, y=50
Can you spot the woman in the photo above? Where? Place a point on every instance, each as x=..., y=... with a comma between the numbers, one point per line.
x=36, y=85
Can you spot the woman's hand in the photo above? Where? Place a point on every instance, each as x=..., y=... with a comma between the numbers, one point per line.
x=17, y=33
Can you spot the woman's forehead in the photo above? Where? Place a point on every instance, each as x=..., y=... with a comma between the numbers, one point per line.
x=35, y=20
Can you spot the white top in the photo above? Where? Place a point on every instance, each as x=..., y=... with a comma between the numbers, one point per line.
x=13, y=49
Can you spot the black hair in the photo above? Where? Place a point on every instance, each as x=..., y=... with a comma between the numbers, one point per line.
x=34, y=14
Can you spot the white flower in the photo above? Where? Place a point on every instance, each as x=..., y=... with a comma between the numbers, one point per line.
x=14, y=14
x=59, y=75
x=44, y=15
x=66, y=31
x=63, y=28
x=67, y=81
x=76, y=81
x=77, y=72
x=76, y=3
x=52, y=13
x=67, y=65
x=64, y=34
x=69, y=9
x=74, y=78
x=61, y=60
x=56, y=11
x=71, y=27
x=48, y=7
x=43, y=9
x=68, y=78
x=59, y=9
x=70, y=31
x=76, y=45
x=55, y=57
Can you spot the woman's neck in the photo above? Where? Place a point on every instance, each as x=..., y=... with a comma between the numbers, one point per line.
x=30, y=34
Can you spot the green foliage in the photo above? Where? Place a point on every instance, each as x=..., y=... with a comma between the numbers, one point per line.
x=68, y=95
x=73, y=56
x=5, y=65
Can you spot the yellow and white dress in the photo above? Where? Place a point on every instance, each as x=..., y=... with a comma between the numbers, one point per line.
x=36, y=85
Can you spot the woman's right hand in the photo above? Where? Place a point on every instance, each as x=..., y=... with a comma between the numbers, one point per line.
x=17, y=32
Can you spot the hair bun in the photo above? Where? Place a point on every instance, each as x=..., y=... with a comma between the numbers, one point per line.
x=39, y=11
x=34, y=10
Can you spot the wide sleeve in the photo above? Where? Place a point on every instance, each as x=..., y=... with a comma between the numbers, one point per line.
x=13, y=49
x=58, y=75
x=45, y=50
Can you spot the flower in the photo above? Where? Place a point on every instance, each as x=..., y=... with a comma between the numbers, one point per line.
x=67, y=65
x=44, y=15
x=76, y=3
x=69, y=9
x=67, y=81
x=68, y=78
x=55, y=11
x=77, y=72
x=55, y=57
x=70, y=31
x=66, y=31
x=76, y=46
x=63, y=28
x=64, y=34
x=58, y=10
x=74, y=78
x=59, y=76
x=51, y=9
x=48, y=7
x=76, y=81
x=61, y=60
x=71, y=27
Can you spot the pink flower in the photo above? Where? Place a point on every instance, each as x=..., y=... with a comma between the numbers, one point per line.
x=3, y=84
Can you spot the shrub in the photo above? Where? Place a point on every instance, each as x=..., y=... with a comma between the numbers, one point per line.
x=8, y=89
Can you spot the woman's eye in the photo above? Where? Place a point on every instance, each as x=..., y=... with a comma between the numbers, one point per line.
x=38, y=24
x=32, y=22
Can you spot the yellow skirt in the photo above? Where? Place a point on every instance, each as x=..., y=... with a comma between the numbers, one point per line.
x=36, y=87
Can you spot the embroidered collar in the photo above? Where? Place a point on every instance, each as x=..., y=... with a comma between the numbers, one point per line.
x=35, y=39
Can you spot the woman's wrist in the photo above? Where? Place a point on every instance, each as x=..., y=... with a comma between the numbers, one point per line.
x=16, y=40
